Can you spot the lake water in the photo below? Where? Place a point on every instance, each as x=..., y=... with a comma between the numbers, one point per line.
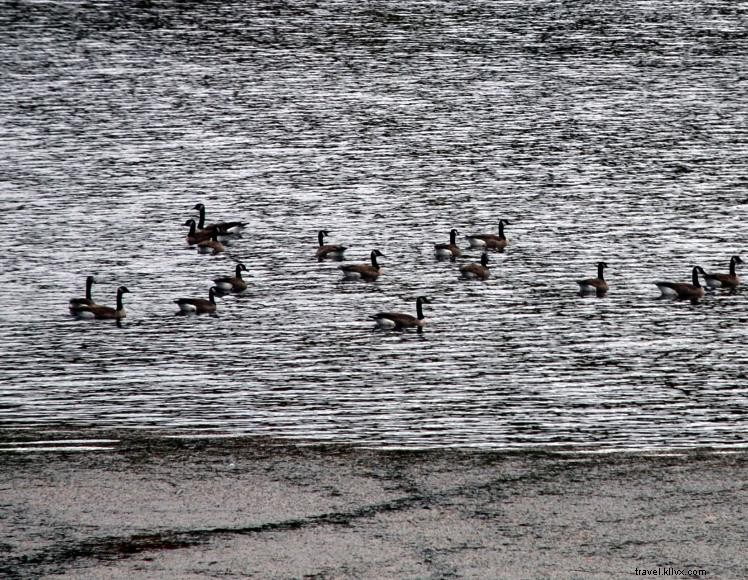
x=601, y=131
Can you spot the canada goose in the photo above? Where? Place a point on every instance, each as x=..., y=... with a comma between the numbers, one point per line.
x=194, y=236
x=87, y=301
x=363, y=271
x=212, y=245
x=476, y=271
x=198, y=305
x=399, y=321
x=449, y=250
x=103, y=312
x=225, y=227
x=731, y=280
x=333, y=251
x=490, y=241
x=597, y=285
x=233, y=283
x=683, y=290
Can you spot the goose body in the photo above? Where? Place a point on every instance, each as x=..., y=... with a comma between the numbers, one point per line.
x=597, y=285
x=234, y=227
x=233, y=283
x=731, y=280
x=475, y=271
x=102, y=312
x=333, y=251
x=449, y=250
x=366, y=272
x=194, y=236
x=682, y=290
x=399, y=320
x=211, y=246
x=490, y=241
x=87, y=301
x=198, y=305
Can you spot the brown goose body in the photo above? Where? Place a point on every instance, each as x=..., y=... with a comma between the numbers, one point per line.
x=399, y=320
x=211, y=246
x=682, y=290
x=198, y=305
x=450, y=250
x=731, y=280
x=103, y=312
x=196, y=236
x=333, y=251
x=366, y=272
x=490, y=241
x=88, y=300
x=233, y=283
x=475, y=271
x=597, y=285
x=234, y=227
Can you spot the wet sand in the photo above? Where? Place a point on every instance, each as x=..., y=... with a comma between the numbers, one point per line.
x=153, y=507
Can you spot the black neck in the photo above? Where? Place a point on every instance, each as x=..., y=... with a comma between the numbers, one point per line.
x=419, y=309
x=321, y=238
x=201, y=223
x=119, y=299
x=374, y=261
x=452, y=237
x=239, y=271
x=89, y=283
x=212, y=296
x=600, y=268
x=695, y=277
x=733, y=263
x=501, y=228
x=484, y=260
x=214, y=235
x=192, y=227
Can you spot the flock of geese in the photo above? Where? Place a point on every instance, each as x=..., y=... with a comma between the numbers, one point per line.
x=210, y=238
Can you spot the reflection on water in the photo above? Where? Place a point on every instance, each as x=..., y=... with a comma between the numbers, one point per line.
x=599, y=132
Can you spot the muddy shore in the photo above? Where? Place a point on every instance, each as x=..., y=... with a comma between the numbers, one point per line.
x=154, y=507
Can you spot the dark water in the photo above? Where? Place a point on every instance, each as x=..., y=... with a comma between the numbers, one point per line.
x=600, y=131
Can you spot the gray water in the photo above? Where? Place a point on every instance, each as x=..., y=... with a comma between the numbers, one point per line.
x=600, y=131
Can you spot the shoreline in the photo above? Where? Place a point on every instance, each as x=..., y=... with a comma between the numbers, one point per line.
x=156, y=507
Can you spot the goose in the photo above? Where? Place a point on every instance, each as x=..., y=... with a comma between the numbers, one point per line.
x=103, y=312
x=476, y=271
x=731, y=280
x=195, y=236
x=233, y=283
x=333, y=251
x=198, y=305
x=597, y=285
x=400, y=321
x=212, y=245
x=87, y=301
x=683, y=290
x=490, y=241
x=365, y=272
x=449, y=250
x=225, y=227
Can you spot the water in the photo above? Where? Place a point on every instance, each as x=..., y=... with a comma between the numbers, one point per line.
x=601, y=132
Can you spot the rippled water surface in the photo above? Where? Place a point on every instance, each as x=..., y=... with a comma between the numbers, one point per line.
x=600, y=131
